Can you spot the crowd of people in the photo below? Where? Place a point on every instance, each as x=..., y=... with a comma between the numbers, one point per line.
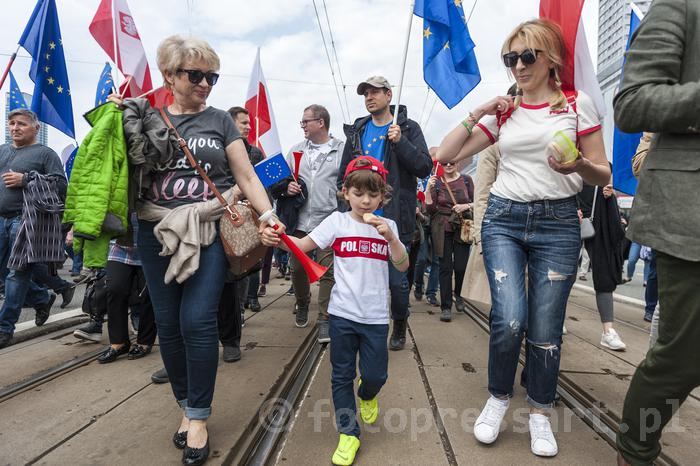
x=510, y=238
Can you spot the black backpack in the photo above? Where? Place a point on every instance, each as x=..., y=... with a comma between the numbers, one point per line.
x=95, y=298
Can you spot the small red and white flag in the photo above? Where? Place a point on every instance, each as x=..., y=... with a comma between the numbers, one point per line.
x=131, y=57
x=579, y=73
x=263, y=129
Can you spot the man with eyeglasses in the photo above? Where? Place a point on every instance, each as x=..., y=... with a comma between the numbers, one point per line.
x=318, y=170
x=404, y=153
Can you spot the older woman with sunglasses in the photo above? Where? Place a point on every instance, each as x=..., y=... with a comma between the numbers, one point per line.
x=447, y=199
x=531, y=220
x=185, y=300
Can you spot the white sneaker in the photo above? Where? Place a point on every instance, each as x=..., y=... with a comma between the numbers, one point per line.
x=542, y=441
x=612, y=340
x=488, y=424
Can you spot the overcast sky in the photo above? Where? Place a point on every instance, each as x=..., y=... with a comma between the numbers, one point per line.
x=369, y=37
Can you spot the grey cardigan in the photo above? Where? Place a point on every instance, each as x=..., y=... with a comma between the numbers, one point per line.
x=660, y=93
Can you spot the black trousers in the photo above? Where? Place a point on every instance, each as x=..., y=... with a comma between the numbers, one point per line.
x=412, y=258
x=454, y=260
x=126, y=286
x=230, y=316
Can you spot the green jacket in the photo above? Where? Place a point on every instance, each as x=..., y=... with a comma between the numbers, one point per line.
x=660, y=93
x=97, y=202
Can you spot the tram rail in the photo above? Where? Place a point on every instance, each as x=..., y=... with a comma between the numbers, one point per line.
x=594, y=413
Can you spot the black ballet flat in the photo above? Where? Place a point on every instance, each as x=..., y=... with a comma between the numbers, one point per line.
x=180, y=440
x=195, y=456
x=139, y=351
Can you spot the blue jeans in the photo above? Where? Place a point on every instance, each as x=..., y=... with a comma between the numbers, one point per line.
x=544, y=238
x=433, y=277
x=347, y=339
x=77, y=260
x=651, y=292
x=398, y=287
x=19, y=288
x=186, y=321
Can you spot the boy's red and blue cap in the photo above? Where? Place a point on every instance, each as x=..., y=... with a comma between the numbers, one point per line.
x=375, y=166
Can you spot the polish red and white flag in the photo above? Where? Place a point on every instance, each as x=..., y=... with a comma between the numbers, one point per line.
x=113, y=19
x=579, y=72
x=263, y=129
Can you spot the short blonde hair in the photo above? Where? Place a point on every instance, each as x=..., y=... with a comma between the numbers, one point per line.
x=544, y=35
x=174, y=51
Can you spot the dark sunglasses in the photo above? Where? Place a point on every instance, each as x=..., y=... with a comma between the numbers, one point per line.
x=449, y=164
x=528, y=57
x=196, y=76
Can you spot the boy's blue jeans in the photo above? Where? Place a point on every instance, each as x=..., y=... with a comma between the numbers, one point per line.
x=349, y=338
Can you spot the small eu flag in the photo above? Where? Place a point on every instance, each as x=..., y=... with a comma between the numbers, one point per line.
x=16, y=97
x=42, y=39
x=105, y=85
x=449, y=62
x=272, y=170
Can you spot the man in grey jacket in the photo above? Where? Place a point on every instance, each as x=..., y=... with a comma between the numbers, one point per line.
x=318, y=169
x=660, y=93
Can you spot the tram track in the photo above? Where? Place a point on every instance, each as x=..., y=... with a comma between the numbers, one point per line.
x=592, y=411
x=36, y=380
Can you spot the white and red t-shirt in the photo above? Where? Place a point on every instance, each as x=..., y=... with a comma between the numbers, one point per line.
x=524, y=174
x=361, y=269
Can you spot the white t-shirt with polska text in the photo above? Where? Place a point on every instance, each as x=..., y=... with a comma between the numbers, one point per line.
x=361, y=270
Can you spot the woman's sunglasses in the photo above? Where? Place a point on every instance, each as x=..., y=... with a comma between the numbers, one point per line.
x=528, y=57
x=196, y=76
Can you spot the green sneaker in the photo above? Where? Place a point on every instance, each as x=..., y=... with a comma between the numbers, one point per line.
x=344, y=455
x=369, y=409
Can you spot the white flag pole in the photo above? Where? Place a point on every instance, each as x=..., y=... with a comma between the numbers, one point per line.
x=403, y=62
x=115, y=62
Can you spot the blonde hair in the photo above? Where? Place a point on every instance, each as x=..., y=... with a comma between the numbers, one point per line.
x=174, y=51
x=544, y=35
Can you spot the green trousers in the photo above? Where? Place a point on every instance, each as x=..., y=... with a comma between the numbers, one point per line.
x=671, y=369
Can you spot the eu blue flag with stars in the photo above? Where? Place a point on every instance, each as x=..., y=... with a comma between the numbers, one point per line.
x=625, y=144
x=42, y=39
x=449, y=62
x=16, y=97
x=105, y=85
x=272, y=170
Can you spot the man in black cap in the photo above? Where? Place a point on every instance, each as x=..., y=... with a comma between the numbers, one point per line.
x=402, y=149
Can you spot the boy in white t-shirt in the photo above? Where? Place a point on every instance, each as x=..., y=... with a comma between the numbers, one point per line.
x=358, y=308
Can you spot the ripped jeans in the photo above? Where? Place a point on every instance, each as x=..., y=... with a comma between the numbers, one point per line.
x=542, y=237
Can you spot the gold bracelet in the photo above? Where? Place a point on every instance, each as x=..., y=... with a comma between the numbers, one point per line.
x=403, y=259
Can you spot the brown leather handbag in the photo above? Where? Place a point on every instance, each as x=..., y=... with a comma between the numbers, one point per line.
x=464, y=225
x=238, y=227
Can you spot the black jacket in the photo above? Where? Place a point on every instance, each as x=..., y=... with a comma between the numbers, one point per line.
x=288, y=208
x=605, y=248
x=405, y=161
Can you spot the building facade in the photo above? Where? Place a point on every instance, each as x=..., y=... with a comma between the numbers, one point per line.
x=42, y=137
x=613, y=30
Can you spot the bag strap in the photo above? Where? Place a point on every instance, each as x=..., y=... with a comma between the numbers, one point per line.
x=452, y=196
x=235, y=216
x=595, y=195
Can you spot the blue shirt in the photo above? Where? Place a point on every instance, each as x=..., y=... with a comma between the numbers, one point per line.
x=374, y=140
x=373, y=143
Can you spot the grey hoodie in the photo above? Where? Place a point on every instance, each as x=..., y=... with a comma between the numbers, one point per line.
x=322, y=200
